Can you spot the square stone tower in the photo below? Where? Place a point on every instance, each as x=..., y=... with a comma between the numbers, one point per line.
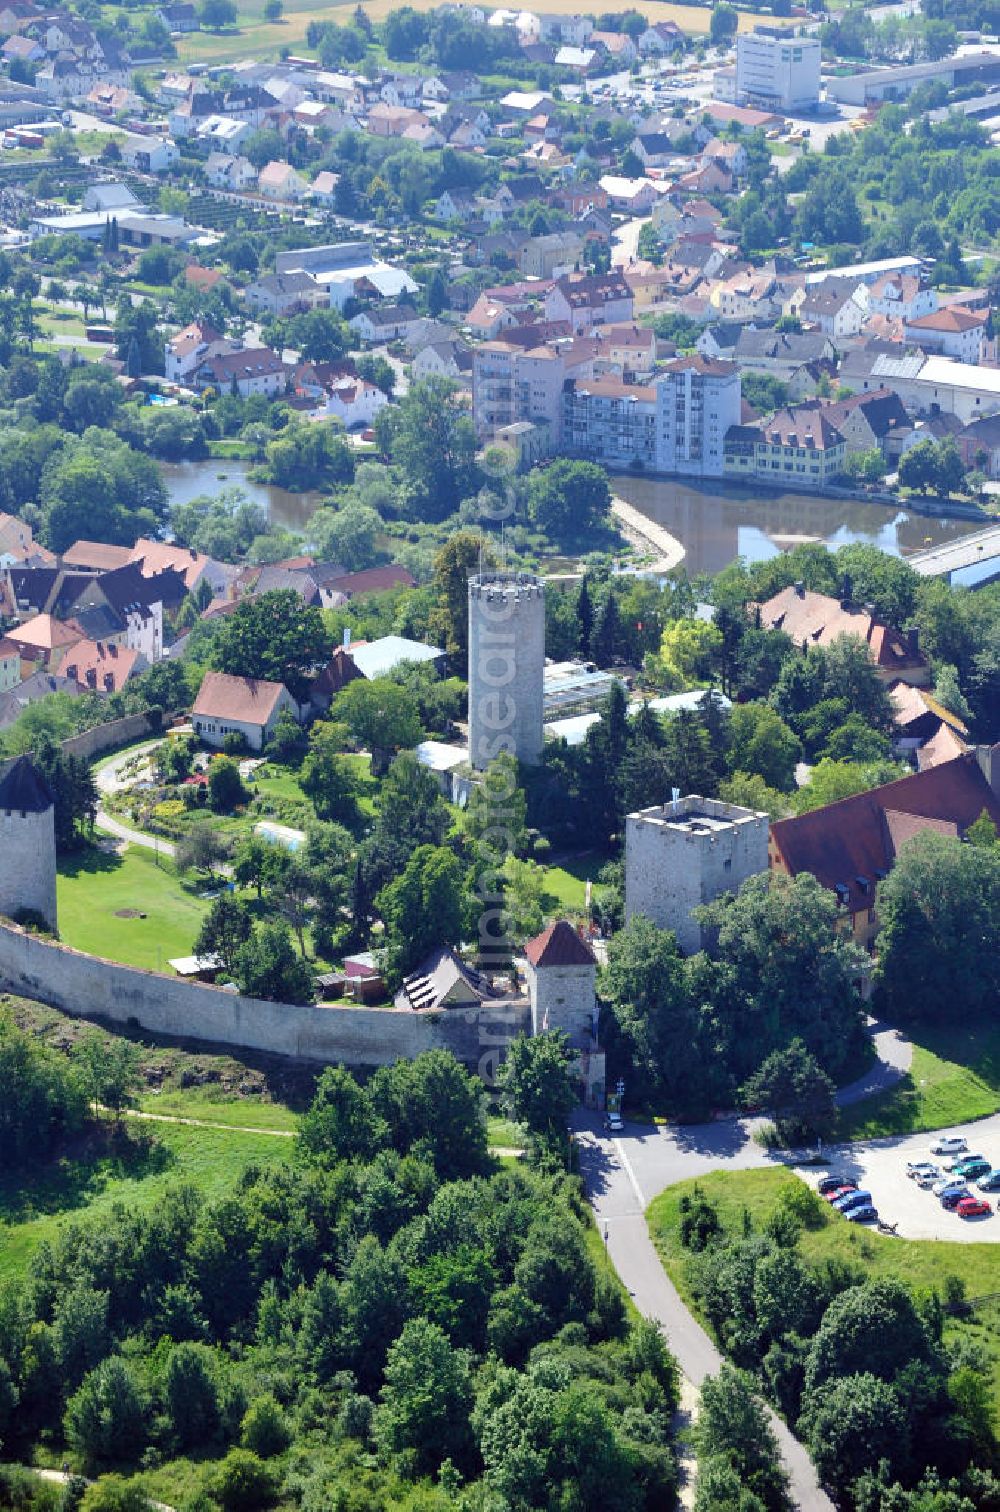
x=681, y=854
x=27, y=843
x=561, y=972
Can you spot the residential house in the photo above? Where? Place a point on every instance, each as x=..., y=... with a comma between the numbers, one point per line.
x=488, y=317
x=225, y=170
x=324, y=187
x=10, y=664
x=16, y=539
x=550, y=255
x=954, y=331
x=286, y=294
x=446, y=359
x=23, y=50
x=392, y=120
x=589, y=300
x=443, y=983
x=101, y=666
x=424, y=135
x=279, y=181
x=924, y=729
x=579, y=60
x=654, y=149
x=781, y=353
x=221, y=133
x=192, y=346
x=850, y=846
x=836, y=308
x=636, y=196
x=178, y=17
x=817, y=619
x=33, y=688
x=876, y=421
x=257, y=370
x=384, y=323
x=455, y=204
x=353, y=401
x=148, y=154
x=747, y=295
x=239, y=706
x=901, y=296
x=797, y=446
x=618, y=46
x=979, y=443
x=661, y=39
x=194, y=567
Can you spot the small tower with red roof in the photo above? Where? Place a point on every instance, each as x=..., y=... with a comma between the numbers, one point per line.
x=561, y=971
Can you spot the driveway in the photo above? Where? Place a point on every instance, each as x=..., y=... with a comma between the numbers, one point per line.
x=109, y=777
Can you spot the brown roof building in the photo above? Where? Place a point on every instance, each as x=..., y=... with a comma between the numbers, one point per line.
x=815, y=619
x=244, y=706
x=850, y=846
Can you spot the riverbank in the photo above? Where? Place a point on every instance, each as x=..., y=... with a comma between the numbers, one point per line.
x=646, y=535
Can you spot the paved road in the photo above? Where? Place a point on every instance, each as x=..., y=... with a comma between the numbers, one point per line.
x=619, y=1205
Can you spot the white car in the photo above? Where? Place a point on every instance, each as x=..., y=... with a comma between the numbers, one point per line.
x=917, y=1168
x=613, y=1123
x=927, y=1178
x=951, y=1144
x=947, y=1184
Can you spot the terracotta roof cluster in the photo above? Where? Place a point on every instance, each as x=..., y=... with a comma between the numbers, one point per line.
x=851, y=845
x=816, y=619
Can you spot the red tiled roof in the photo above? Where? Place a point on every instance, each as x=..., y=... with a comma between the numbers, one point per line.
x=244, y=699
x=817, y=619
x=855, y=841
x=559, y=945
x=953, y=320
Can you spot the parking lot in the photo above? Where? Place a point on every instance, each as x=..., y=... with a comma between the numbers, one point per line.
x=881, y=1170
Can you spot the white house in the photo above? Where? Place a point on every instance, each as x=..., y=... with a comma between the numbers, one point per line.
x=352, y=400
x=239, y=705
x=954, y=331
x=225, y=171
x=148, y=154
x=384, y=322
x=279, y=181
x=222, y=133
x=190, y=348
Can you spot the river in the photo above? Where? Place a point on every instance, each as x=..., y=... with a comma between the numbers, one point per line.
x=714, y=522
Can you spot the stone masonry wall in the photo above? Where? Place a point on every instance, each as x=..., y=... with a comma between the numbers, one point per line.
x=96, y=988
x=27, y=864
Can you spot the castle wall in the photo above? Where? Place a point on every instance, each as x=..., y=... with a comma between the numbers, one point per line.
x=506, y=667
x=119, y=732
x=671, y=869
x=94, y=988
x=27, y=864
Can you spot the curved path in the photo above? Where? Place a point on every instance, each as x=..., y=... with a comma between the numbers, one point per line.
x=109, y=778
x=623, y=1175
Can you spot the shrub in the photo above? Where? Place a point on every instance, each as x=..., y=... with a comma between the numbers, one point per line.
x=265, y=1428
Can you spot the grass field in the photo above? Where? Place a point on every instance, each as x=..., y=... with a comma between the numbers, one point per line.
x=955, y=1077
x=922, y=1264
x=566, y=885
x=259, y=38
x=94, y=888
x=87, y=1181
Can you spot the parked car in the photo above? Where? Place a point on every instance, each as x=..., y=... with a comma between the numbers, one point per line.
x=972, y=1207
x=966, y=1158
x=947, y=1184
x=929, y=1177
x=852, y=1200
x=865, y=1213
x=613, y=1123
x=828, y=1184
x=989, y=1183
x=916, y=1168
x=950, y=1200
x=950, y=1144
x=973, y=1169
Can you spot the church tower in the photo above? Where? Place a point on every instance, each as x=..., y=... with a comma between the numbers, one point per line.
x=27, y=843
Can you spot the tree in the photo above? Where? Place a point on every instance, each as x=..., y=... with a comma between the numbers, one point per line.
x=722, y=28
x=191, y=1396
x=72, y=785
x=423, y=1417
x=327, y=778
x=243, y=1483
x=431, y=438
x=258, y=862
x=310, y=455
x=224, y=930
x=523, y=899
x=567, y=499
x=267, y=967
x=537, y=1087
x=347, y=535
x=463, y=554
x=434, y=1101
x=106, y=1418
x=276, y=637
x=265, y=1430
x=761, y=743
x=42, y=1100
x=425, y=907
x=790, y=1087
x=939, y=936
x=112, y=1494
x=273, y=10
x=829, y=781
x=687, y=651
x=341, y=1122
x=109, y=1068
x=645, y=985
x=496, y=817
x=380, y=715
x=853, y=1424
x=411, y=812
x=214, y=15
x=201, y=849
x=732, y=1425
x=225, y=786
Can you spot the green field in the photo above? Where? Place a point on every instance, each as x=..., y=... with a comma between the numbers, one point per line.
x=955, y=1077
x=566, y=885
x=103, y=1170
x=95, y=888
x=922, y=1264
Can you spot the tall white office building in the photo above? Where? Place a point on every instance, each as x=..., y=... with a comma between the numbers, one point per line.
x=776, y=71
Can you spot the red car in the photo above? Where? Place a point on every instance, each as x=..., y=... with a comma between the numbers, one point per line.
x=851, y=1186
x=972, y=1207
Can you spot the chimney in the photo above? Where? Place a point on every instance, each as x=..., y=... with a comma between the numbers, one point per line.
x=109, y=682
x=91, y=677
x=846, y=590
x=988, y=758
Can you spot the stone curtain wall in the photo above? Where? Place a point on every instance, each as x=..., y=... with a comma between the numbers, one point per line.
x=91, y=987
x=119, y=732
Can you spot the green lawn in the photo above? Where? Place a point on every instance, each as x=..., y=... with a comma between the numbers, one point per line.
x=88, y=1181
x=213, y=1105
x=955, y=1077
x=922, y=1264
x=94, y=887
x=566, y=885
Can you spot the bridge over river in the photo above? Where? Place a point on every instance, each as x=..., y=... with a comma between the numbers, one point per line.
x=982, y=549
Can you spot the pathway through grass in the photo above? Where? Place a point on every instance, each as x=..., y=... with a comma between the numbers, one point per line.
x=955, y=1077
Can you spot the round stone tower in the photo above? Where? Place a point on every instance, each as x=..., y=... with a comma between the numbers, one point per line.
x=506, y=666
x=27, y=843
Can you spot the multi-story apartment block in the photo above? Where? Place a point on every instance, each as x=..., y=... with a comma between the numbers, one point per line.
x=676, y=424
